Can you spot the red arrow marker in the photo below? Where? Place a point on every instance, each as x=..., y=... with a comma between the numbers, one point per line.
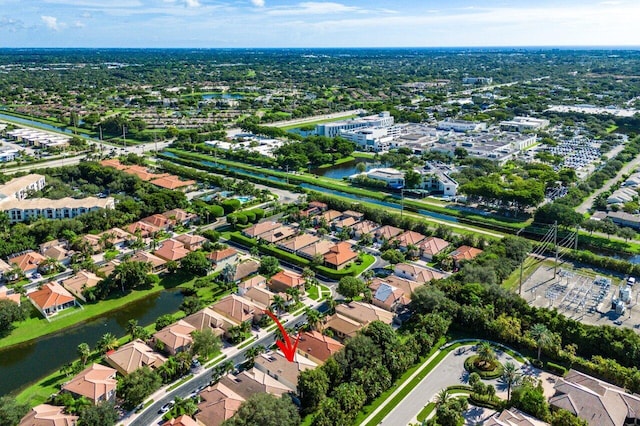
x=286, y=347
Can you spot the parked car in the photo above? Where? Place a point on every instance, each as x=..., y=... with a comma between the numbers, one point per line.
x=166, y=407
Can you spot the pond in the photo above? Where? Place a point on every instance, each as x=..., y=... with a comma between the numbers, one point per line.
x=26, y=363
x=349, y=168
x=221, y=96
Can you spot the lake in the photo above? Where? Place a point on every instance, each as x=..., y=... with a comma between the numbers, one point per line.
x=26, y=363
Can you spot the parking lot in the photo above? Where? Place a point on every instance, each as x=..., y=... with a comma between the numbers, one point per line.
x=585, y=298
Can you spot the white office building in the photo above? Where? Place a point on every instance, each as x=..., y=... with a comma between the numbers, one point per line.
x=394, y=178
x=331, y=130
x=436, y=179
x=461, y=125
x=371, y=139
x=520, y=124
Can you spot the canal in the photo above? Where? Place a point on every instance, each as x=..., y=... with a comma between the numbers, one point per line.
x=37, y=124
x=26, y=363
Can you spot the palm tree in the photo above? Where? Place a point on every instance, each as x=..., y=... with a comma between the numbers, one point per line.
x=313, y=318
x=83, y=351
x=278, y=303
x=107, y=342
x=486, y=354
x=132, y=326
x=251, y=353
x=442, y=397
x=542, y=336
x=294, y=292
x=185, y=406
x=511, y=376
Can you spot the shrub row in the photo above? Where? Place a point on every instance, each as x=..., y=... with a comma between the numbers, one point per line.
x=485, y=375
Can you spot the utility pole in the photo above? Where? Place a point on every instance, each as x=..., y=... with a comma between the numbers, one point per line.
x=401, y=201
x=555, y=243
x=124, y=135
x=575, y=244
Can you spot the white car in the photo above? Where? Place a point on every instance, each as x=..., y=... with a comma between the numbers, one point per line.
x=166, y=407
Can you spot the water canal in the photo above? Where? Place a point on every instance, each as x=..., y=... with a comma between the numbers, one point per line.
x=26, y=363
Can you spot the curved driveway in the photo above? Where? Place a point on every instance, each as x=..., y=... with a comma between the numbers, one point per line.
x=450, y=371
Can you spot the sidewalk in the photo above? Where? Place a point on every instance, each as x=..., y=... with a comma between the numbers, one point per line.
x=228, y=352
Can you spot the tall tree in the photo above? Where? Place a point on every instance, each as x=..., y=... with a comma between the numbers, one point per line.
x=11, y=411
x=107, y=342
x=350, y=287
x=511, y=376
x=205, y=343
x=265, y=409
x=103, y=414
x=542, y=336
x=83, y=351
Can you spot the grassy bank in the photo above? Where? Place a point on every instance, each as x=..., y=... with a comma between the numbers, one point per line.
x=313, y=123
x=37, y=326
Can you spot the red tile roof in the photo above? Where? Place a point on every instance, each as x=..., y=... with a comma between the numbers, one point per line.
x=52, y=294
x=340, y=254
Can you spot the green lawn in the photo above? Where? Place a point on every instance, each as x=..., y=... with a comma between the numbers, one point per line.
x=36, y=326
x=313, y=292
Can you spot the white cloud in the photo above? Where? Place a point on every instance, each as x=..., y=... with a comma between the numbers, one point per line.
x=52, y=23
x=313, y=8
x=78, y=24
x=258, y=3
x=193, y=3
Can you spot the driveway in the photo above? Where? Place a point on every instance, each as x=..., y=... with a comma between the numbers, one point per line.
x=449, y=372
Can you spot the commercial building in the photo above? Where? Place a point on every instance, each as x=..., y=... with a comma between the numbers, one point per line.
x=331, y=130
x=394, y=178
x=521, y=124
x=461, y=125
x=37, y=138
x=436, y=179
x=372, y=139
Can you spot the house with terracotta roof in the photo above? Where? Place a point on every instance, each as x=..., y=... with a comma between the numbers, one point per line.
x=135, y=354
x=354, y=214
x=28, y=262
x=416, y=273
x=115, y=163
x=143, y=173
x=318, y=205
x=238, y=309
x=53, y=243
x=284, y=280
x=217, y=404
x=107, y=268
x=174, y=183
x=387, y=297
x=364, y=313
x=183, y=420
x=327, y=217
x=59, y=254
x=464, y=253
x=386, y=233
x=96, y=383
x=157, y=263
x=317, y=347
x=319, y=248
x=48, y=415
x=280, y=368
x=432, y=246
x=407, y=286
x=51, y=299
x=208, y=319
x=143, y=229
x=14, y=297
x=342, y=327
x=255, y=281
x=181, y=216
x=340, y=255
x=171, y=250
x=278, y=234
x=292, y=245
x=220, y=258
x=251, y=382
x=176, y=337
x=81, y=281
x=343, y=222
x=242, y=270
x=160, y=221
x=117, y=237
x=409, y=238
x=260, y=228
x=259, y=296
x=598, y=402
x=364, y=227
x=191, y=242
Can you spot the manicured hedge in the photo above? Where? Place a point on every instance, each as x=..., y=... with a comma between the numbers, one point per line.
x=556, y=368
x=485, y=375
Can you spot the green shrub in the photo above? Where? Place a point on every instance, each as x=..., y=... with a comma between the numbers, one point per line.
x=251, y=216
x=469, y=365
x=230, y=205
x=242, y=218
x=556, y=368
x=259, y=213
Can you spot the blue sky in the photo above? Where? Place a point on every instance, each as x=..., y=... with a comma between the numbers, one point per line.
x=289, y=23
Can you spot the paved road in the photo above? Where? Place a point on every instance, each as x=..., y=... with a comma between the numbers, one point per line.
x=450, y=371
x=150, y=415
